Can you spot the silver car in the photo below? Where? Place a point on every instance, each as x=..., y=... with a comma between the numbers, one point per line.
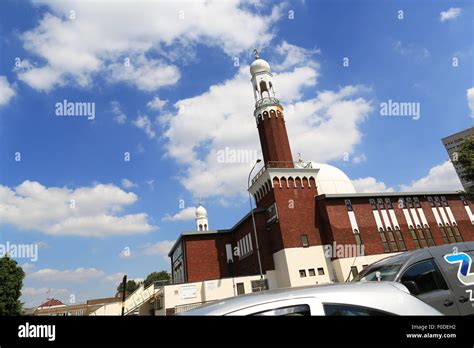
x=348, y=299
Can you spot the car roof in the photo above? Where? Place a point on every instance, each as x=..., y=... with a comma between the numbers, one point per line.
x=350, y=293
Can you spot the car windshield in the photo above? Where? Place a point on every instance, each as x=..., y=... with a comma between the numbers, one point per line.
x=378, y=273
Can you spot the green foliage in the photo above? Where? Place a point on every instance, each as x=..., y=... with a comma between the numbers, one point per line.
x=466, y=160
x=131, y=287
x=155, y=276
x=11, y=282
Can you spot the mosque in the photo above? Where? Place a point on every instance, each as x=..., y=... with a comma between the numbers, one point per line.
x=303, y=211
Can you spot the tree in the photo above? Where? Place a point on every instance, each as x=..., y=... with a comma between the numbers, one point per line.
x=11, y=282
x=155, y=276
x=466, y=160
x=131, y=287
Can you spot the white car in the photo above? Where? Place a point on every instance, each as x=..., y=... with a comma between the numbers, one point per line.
x=348, y=299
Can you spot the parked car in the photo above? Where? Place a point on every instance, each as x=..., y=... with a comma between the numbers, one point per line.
x=440, y=276
x=349, y=299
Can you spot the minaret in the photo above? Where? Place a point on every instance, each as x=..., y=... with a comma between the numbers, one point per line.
x=269, y=117
x=201, y=219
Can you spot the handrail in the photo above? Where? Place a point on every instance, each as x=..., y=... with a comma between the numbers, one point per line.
x=156, y=290
x=266, y=101
x=281, y=164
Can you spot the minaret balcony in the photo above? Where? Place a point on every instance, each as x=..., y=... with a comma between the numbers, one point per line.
x=286, y=174
x=267, y=101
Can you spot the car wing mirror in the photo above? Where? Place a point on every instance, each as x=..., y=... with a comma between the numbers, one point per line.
x=412, y=287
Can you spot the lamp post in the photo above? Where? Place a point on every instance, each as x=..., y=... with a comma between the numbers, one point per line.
x=254, y=228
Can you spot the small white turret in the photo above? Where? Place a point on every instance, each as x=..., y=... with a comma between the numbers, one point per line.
x=201, y=218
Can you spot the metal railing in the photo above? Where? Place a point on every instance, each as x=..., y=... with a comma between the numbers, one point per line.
x=142, y=295
x=266, y=101
x=188, y=307
x=281, y=164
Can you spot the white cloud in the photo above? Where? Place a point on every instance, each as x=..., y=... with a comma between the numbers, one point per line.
x=450, y=14
x=136, y=30
x=114, y=278
x=144, y=123
x=412, y=51
x=78, y=275
x=46, y=292
x=295, y=56
x=145, y=74
x=188, y=213
x=314, y=126
x=119, y=117
x=127, y=184
x=28, y=267
x=33, y=297
x=441, y=177
x=370, y=185
x=470, y=100
x=161, y=248
x=86, y=211
x=6, y=91
x=156, y=103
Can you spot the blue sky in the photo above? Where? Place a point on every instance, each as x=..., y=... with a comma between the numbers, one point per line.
x=183, y=56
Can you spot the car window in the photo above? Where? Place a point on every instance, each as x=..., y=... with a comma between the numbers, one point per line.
x=298, y=310
x=378, y=273
x=337, y=309
x=426, y=277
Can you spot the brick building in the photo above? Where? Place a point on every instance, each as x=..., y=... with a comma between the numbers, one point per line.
x=53, y=307
x=311, y=225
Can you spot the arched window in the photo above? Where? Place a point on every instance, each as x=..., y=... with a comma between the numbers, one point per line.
x=205, y=227
x=264, y=88
x=200, y=227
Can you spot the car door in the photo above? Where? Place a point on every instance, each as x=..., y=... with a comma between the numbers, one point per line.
x=302, y=306
x=462, y=290
x=432, y=286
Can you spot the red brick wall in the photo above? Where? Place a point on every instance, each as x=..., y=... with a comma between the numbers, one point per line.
x=340, y=228
x=273, y=137
x=206, y=256
x=297, y=213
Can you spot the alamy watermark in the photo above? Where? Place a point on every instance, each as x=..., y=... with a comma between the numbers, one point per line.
x=343, y=250
x=21, y=251
x=229, y=155
x=66, y=108
x=405, y=109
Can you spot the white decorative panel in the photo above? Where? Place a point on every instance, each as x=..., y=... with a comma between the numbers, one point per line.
x=407, y=217
x=415, y=217
x=386, y=220
x=451, y=216
x=423, y=217
x=377, y=219
x=436, y=215
x=443, y=215
x=353, y=221
x=394, y=218
x=469, y=213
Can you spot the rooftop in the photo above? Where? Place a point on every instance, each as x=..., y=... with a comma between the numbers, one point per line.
x=387, y=194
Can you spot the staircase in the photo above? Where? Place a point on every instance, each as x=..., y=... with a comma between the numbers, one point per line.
x=141, y=296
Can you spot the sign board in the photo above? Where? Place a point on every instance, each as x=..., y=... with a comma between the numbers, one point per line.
x=272, y=214
x=211, y=286
x=188, y=291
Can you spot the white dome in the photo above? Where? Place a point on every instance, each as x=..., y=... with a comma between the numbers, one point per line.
x=332, y=180
x=201, y=212
x=258, y=66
